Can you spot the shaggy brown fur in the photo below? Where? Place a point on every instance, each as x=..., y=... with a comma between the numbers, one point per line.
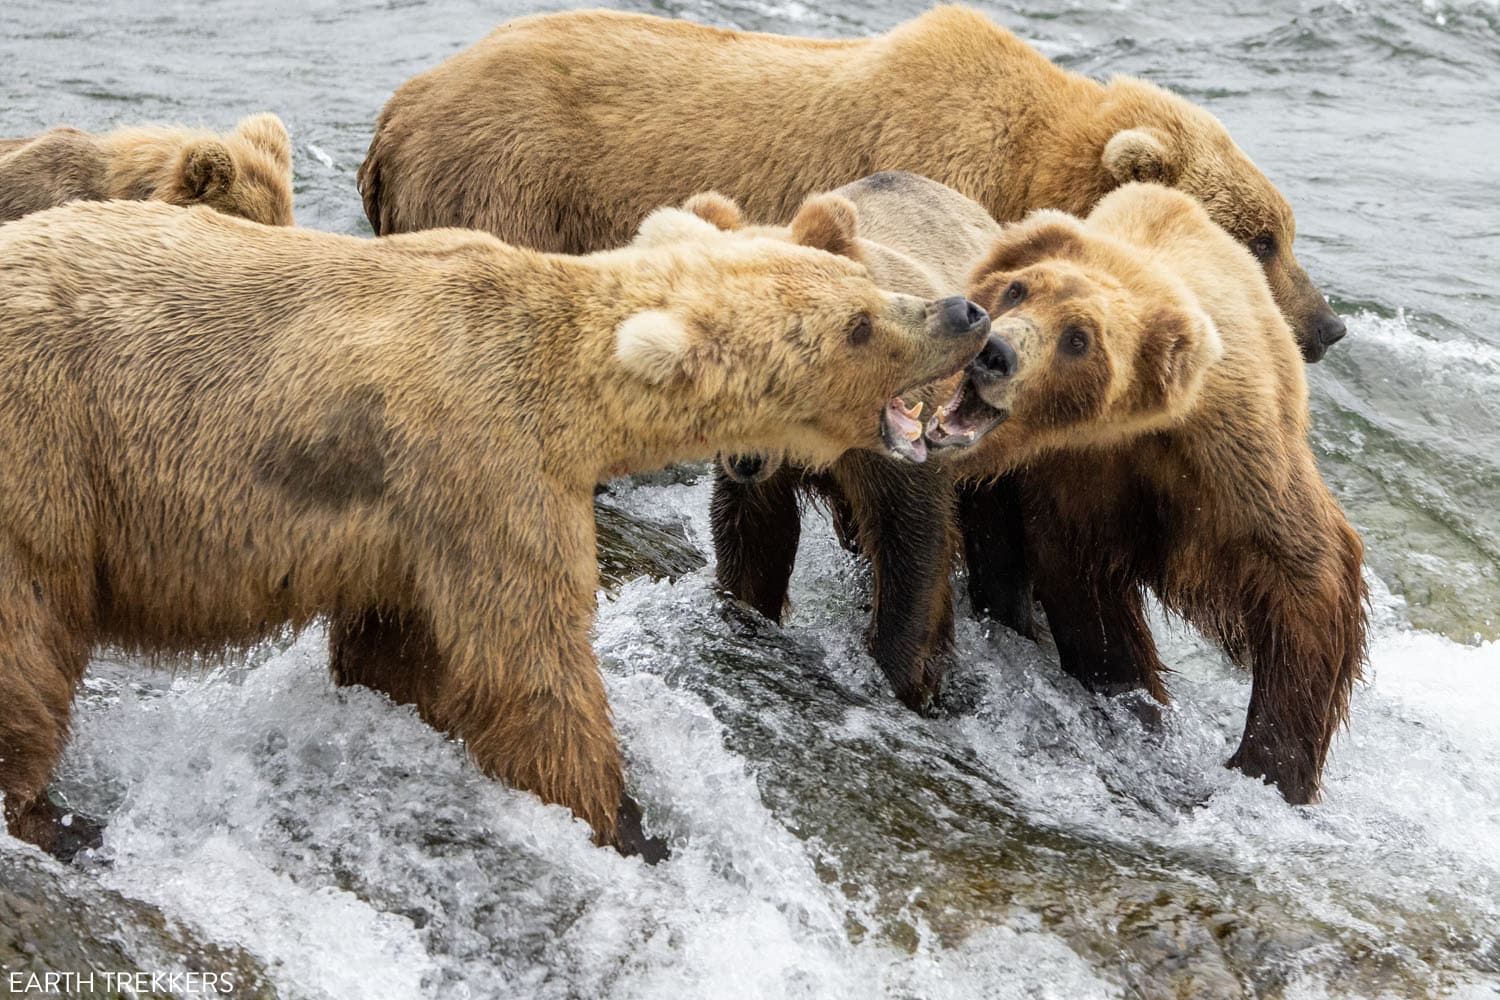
x=901, y=514
x=1152, y=347
x=247, y=172
x=211, y=429
x=561, y=131
x=1221, y=513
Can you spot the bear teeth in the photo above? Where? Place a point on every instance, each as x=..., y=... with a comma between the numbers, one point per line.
x=911, y=426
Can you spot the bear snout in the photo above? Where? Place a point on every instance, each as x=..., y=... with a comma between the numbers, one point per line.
x=1329, y=328
x=957, y=316
x=1318, y=333
x=748, y=470
x=996, y=362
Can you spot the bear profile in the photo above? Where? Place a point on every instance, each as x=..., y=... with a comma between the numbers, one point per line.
x=246, y=172
x=212, y=429
x=482, y=139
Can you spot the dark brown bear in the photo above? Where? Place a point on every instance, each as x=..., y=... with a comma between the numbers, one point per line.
x=920, y=238
x=902, y=515
x=1221, y=513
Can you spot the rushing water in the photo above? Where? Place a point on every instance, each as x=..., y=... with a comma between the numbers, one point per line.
x=827, y=843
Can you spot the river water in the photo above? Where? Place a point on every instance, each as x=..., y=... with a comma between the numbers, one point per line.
x=827, y=844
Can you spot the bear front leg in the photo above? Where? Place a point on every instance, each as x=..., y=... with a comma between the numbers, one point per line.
x=756, y=527
x=522, y=687
x=1096, y=613
x=544, y=727
x=841, y=513
x=905, y=521
x=991, y=518
x=1302, y=633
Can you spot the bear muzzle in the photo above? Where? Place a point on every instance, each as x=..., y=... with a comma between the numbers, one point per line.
x=957, y=316
x=1325, y=330
x=982, y=401
x=748, y=470
x=960, y=328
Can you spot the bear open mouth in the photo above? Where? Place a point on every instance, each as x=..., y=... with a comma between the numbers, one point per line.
x=901, y=430
x=964, y=420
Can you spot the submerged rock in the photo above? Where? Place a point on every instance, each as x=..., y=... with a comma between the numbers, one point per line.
x=52, y=920
x=631, y=547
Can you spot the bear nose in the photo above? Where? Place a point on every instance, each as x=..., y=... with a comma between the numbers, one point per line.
x=1331, y=329
x=745, y=468
x=961, y=317
x=997, y=361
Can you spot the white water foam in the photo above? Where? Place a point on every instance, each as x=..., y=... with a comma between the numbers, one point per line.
x=354, y=851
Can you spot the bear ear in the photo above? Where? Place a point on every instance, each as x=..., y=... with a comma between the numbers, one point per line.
x=1182, y=344
x=828, y=222
x=713, y=207
x=673, y=225
x=206, y=169
x=266, y=132
x=1043, y=236
x=652, y=345
x=1140, y=154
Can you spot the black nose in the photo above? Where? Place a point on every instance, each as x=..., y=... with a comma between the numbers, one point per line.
x=1330, y=329
x=744, y=468
x=962, y=317
x=748, y=465
x=997, y=361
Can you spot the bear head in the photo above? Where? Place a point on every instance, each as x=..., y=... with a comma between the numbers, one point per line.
x=1106, y=346
x=1156, y=136
x=247, y=173
x=788, y=346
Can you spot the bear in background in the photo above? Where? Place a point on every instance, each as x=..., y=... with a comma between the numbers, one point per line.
x=561, y=131
x=919, y=237
x=1216, y=506
x=246, y=172
x=211, y=430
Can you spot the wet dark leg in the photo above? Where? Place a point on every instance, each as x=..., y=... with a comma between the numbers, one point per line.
x=994, y=538
x=756, y=528
x=906, y=526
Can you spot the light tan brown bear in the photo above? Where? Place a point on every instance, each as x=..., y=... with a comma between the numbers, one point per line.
x=212, y=429
x=561, y=131
x=247, y=172
x=1153, y=346
x=1215, y=505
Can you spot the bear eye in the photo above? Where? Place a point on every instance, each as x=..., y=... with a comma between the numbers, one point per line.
x=1014, y=292
x=1263, y=246
x=1075, y=340
x=861, y=330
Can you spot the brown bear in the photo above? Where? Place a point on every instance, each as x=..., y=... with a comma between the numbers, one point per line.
x=1220, y=512
x=901, y=514
x=212, y=429
x=561, y=131
x=247, y=172
x=1154, y=342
